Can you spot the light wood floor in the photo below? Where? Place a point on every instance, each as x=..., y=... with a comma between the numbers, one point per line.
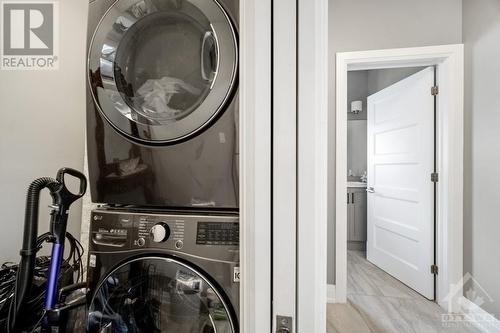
x=378, y=303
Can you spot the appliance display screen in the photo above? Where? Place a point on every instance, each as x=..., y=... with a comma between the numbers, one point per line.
x=216, y=233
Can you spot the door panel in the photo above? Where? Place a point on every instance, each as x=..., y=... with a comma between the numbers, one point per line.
x=284, y=157
x=400, y=163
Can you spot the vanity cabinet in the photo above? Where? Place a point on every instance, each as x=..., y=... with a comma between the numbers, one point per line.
x=356, y=214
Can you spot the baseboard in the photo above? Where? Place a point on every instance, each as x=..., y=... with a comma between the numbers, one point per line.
x=356, y=246
x=491, y=325
x=330, y=293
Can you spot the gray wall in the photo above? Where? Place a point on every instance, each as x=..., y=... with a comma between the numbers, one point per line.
x=42, y=128
x=357, y=90
x=361, y=84
x=379, y=79
x=481, y=33
x=356, y=25
x=356, y=149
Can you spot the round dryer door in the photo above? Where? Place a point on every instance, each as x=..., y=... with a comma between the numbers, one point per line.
x=159, y=295
x=161, y=70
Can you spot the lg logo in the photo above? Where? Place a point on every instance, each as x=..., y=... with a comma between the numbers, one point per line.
x=29, y=33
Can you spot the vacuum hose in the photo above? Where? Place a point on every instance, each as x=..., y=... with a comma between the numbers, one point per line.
x=30, y=248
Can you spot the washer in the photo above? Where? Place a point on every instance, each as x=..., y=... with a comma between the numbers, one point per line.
x=163, y=103
x=151, y=272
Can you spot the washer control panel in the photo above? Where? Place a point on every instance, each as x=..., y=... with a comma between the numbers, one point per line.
x=199, y=235
x=158, y=229
x=217, y=233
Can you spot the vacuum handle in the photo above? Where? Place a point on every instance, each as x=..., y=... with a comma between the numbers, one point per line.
x=77, y=174
x=62, y=200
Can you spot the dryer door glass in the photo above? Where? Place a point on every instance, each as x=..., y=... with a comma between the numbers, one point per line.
x=159, y=295
x=161, y=70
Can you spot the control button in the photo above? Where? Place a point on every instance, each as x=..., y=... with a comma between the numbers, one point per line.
x=141, y=241
x=179, y=244
x=160, y=232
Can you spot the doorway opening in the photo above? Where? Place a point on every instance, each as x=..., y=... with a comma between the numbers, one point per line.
x=390, y=200
x=390, y=163
x=448, y=64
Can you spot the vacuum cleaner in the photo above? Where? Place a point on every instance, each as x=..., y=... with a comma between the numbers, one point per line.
x=53, y=310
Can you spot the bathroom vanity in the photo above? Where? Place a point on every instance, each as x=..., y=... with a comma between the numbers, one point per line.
x=356, y=215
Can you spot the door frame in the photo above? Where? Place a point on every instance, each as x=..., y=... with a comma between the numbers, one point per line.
x=449, y=60
x=255, y=165
x=312, y=164
x=258, y=192
x=284, y=159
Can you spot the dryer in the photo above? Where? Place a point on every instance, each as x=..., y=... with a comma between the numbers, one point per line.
x=156, y=272
x=162, y=111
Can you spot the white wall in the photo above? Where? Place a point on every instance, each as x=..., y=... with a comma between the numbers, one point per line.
x=356, y=25
x=481, y=32
x=42, y=128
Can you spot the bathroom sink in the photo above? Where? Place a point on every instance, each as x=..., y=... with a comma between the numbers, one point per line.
x=356, y=184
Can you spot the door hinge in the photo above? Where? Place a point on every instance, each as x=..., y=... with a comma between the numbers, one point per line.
x=434, y=177
x=284, y=324
x=434, y=269
x=434, y=90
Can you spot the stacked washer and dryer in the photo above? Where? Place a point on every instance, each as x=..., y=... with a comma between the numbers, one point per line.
x=162, y=144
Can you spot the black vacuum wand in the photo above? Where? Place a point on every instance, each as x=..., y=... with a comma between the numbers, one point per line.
x=62, y=199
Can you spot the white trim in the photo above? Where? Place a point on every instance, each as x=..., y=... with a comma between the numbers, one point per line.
x=284, y=160
x=330, y=293
x=449, y=60
x=341, y=183
x=255, y=166
x=312, y=164
x=472, y=308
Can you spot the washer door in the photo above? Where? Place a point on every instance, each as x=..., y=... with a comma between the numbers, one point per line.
x=159, y=295
x=161, y=70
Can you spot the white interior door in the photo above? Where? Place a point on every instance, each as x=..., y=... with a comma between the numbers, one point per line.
x=400, y=191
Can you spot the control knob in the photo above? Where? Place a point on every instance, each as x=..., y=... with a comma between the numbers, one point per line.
x=160, y=232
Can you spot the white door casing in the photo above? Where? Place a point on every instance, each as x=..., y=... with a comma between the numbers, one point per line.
x=449, y=60
x=307, y=278
x=400, y=163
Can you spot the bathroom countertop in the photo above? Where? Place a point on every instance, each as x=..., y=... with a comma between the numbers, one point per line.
x=356, y=184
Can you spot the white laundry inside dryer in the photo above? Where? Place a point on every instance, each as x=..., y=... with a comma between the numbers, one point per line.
x=154, y=96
